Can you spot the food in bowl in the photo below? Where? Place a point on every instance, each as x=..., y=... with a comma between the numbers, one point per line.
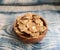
x=30, y=28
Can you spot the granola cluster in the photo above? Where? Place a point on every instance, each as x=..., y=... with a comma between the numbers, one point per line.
x=29, y=25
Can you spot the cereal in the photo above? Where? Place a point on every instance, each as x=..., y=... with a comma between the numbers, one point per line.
x=30, y=24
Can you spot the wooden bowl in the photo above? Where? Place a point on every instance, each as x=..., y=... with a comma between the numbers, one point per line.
x=32, y=40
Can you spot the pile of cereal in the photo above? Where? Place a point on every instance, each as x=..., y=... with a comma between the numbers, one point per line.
x=30, y=25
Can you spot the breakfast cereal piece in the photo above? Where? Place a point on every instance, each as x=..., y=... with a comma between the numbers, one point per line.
x=42, y=29
x=27, y=16
x=31, y=26
x=35, y=35
x=28, y=32
x=38, y=21
x=19, y=18
x=36, y=17
x=22, y=27
x=24, y=21
x=17, y=30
